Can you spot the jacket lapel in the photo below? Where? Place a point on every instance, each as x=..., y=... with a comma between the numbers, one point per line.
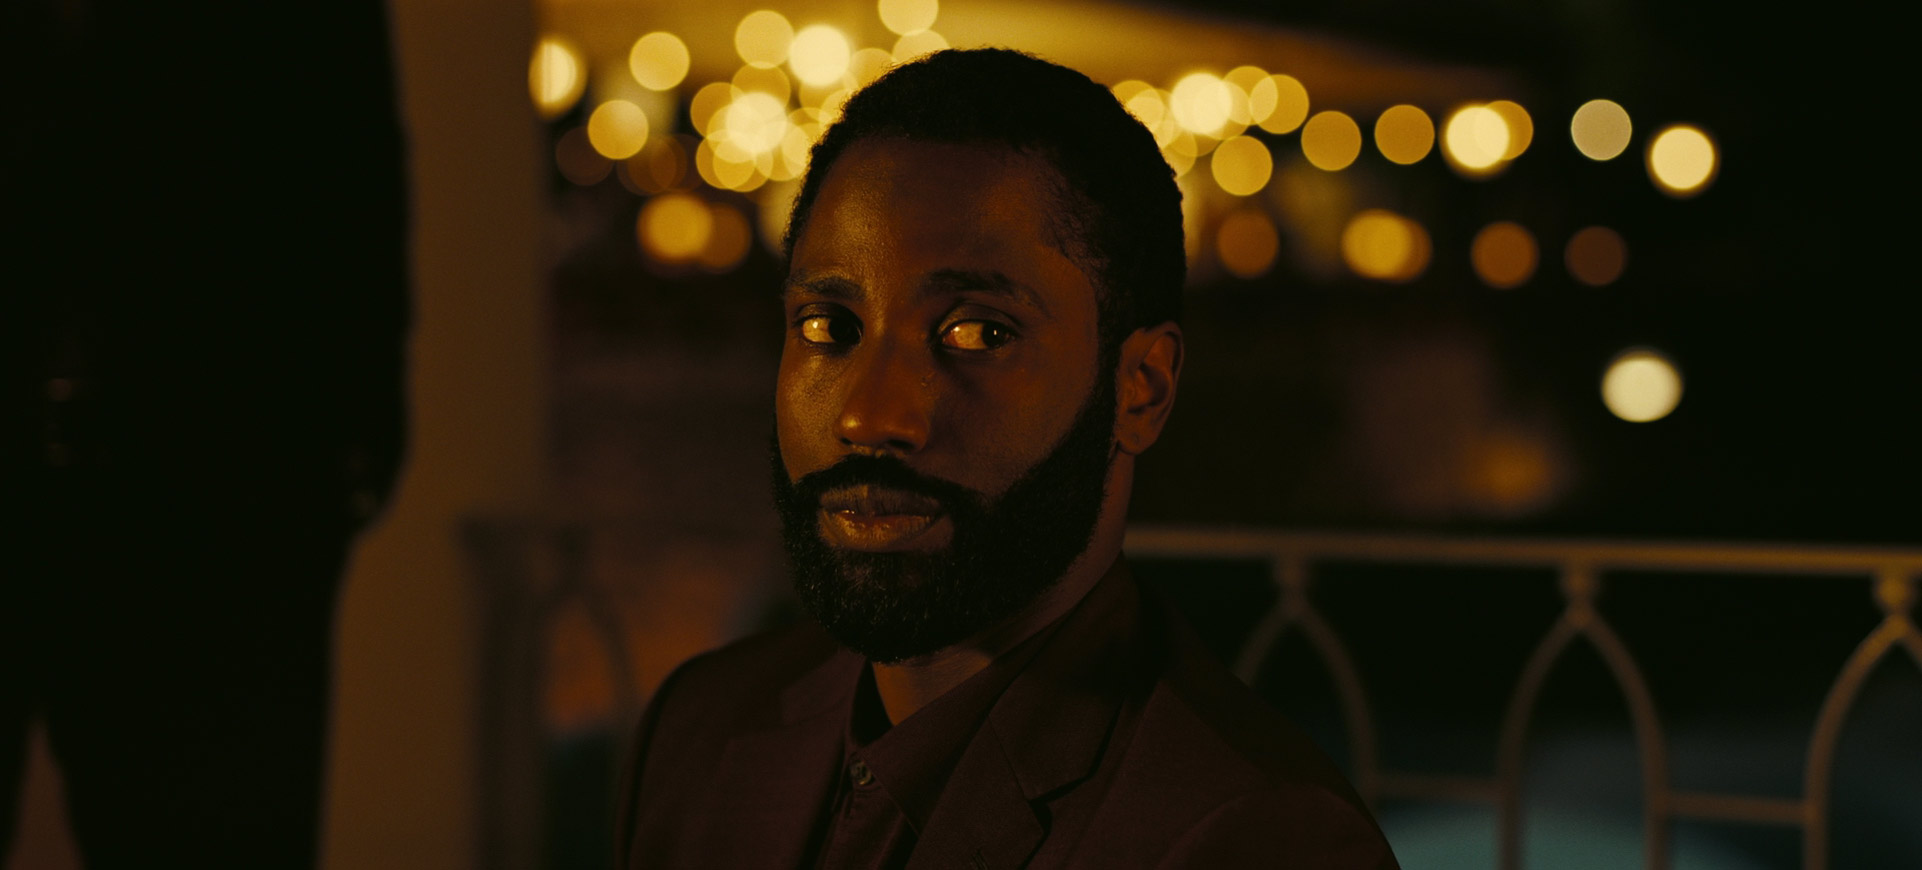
x=771, y=786
x=1045, y=734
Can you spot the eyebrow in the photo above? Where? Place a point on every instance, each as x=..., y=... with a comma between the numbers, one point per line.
x=949, y=281
x=825, y=286
x=991, y=283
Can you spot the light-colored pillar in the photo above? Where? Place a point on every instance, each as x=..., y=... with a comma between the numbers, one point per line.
x=402, y=784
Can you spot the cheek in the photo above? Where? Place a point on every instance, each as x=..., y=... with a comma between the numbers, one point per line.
x=1011, y=424
x=799, y=404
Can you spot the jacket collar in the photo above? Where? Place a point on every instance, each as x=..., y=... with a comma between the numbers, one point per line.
x=772, y=784
x=1045, y=734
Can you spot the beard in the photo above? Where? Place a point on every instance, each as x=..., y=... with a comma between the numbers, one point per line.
x=1004, y=552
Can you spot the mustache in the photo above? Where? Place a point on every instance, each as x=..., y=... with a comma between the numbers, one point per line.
x=887, y=472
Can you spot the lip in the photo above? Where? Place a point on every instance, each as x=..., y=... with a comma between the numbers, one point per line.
x=880, y=519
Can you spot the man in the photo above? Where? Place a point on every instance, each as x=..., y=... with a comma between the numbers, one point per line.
x=201, y=337
x=984, y=272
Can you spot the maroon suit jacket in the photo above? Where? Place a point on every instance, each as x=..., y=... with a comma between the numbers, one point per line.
x=1122, y=744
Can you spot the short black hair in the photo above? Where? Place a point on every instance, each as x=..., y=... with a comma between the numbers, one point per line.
x=1118, y=215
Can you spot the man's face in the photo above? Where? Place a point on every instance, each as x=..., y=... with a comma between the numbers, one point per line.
x=943, y=432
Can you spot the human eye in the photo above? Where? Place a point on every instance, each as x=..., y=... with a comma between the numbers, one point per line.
x=828, y=329
x=976, y=335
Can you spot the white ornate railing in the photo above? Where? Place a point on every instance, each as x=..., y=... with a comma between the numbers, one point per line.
x=1891, y=575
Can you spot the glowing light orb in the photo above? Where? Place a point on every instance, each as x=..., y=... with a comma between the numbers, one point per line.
x=762, y=38
x=1404, y=134
x=1681, y=160
x=1247, y=243
x=1202, y=103
x=1601, y=129
x=555, y=76
x=819, y=55
x=868, y=64
x=1331, y=141
x=1641, y=386
x=913, y=45
x=658, y=61
x=1596, y=256
x=906, y=17
x=1279, y=105
x=674, y=227
x=617, y=129
x=755, y=122
x=728, y=238
x=1385, y=246
x=1476, y=137
x=1504, y=255
x=1521, y=127
x=1242, y=165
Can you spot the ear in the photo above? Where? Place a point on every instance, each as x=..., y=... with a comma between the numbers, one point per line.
x=1149, y=370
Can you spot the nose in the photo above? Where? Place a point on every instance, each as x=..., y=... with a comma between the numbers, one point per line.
x=888, y=399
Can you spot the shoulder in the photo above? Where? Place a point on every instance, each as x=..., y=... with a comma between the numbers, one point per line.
x=698, y=709
x=1284, y=826
x=739, y=682
x=1239, y=784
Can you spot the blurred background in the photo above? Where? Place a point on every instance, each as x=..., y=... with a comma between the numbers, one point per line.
x=1514, y=277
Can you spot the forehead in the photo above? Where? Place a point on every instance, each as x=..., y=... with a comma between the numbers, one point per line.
x=893, y=209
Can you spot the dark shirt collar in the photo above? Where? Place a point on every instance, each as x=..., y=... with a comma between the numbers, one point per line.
x=913, y=758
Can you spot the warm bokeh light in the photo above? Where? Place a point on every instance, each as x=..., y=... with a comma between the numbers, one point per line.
x=577, y=159
x=1242, y=165
x=762, y=38
x=1404, y=134
x=1596, y=256
x=1243, y=80
x=755, y=123
x=556, y=76
x=909, y=16
x=1279, y=105
x=708, y=103
x=1126, y=90
x=1331, y=141
x=674, y=227
x=1641, y=386
x=1180, y=159
x=775, y=201
x=1504, y=255
x=867, y=65
x=1601, y=129
x=1202, y=103
x=820, y=55
x=1385, y=246
x=660, y=167
x=1681, y=160
x=1189, y=145
x=831, y=104
x=1521, y=127
x=917, y=44
x=617, y=129
x=1512, y=471
x=1247, y=243
x=728, y=166
x=728, y=239
x=754, y=79
x=1150, y=107
x=1476, y=138
x=658, y=61
x=791, y=160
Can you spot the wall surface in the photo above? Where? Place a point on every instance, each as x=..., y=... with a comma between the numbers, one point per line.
x=402, y=784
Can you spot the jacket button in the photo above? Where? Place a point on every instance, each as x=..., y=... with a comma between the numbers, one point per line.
x=859, y=772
